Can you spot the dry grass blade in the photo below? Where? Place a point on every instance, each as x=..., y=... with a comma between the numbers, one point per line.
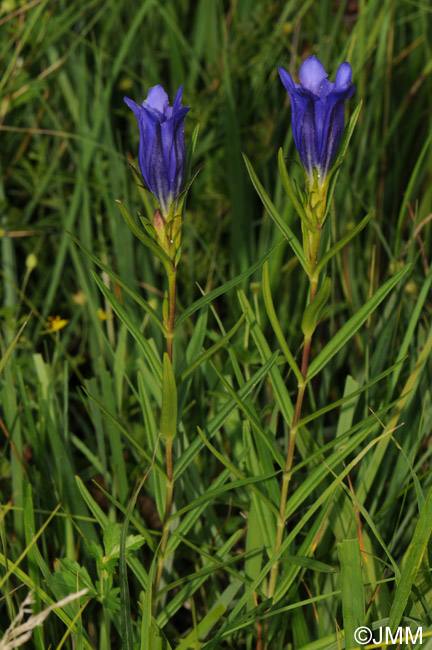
x=18, y=633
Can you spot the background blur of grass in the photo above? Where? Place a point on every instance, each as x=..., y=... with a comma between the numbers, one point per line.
x=66, y=140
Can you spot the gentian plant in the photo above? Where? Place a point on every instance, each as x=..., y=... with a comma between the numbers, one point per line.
x=162, y=160
x=318, y=107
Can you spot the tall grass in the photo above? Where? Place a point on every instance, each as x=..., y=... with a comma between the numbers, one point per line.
x=80, y=404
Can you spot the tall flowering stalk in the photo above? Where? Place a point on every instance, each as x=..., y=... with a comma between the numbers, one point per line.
x=317, y=110
x=162, y=160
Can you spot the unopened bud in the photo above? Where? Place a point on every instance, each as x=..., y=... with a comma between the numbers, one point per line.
x=31, y=261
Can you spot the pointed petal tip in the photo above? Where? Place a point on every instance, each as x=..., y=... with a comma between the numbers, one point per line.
x=344, y=74
x=286, y=79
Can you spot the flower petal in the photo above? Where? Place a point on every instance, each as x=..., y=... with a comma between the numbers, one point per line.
x=287, y=80
x=333, y=125
x=343, y=75
x=312, y=74
x=133, y=106
x=157, y=99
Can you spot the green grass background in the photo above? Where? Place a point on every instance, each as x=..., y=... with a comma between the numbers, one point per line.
x=82, y=405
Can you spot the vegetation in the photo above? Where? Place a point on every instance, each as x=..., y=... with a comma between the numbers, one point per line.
x=83, y=479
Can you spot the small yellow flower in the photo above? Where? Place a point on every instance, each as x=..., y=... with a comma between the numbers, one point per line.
x=54, y=324
x=102, y=315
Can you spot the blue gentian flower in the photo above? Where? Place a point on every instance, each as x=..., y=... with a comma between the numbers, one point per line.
x=318, y=113
x=162, y=154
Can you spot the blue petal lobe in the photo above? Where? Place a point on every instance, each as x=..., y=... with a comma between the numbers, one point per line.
x=157, y=98
x=312, y=74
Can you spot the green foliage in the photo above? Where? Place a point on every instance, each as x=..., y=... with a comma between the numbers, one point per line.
x=84, y=481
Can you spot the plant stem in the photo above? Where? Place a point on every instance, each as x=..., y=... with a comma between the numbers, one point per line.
x=291, y=448
x=172, y=277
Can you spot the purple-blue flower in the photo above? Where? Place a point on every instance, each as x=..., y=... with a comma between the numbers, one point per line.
x=318, y=113
x=162, y=154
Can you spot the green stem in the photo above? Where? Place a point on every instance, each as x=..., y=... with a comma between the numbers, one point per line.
x=286, y=478
x=172, y=277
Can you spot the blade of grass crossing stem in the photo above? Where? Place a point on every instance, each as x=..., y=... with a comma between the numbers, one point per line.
x=306, y=549
x=271, y=313
x=341, y=243
x=352, y=590
x=353, y=324
x=219, y=291
x=125, y=609
x=218, y=420
x=283, y=227
x=413, y=558
x=192, y=354
x=157, y=480
x=207, y=354
x=257, y=463
x=304, y=440
x=347, y=398
x=152, y=360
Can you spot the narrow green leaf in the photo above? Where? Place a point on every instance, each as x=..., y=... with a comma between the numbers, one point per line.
x=168, y=421
x=219, y=291
x=13, y=344
x=283, y=227
x=138, y=299
x=94, y=508
x=125, y=609
x=314, y=308
x=353, y=324
x=341, y=243
x=144, y=239
x=150, y=356
x=207, y=354
x=286, y=182
x=347, y=398
x=202, y=628
x=413, y=558
x=271, y=313
x=352, y=589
